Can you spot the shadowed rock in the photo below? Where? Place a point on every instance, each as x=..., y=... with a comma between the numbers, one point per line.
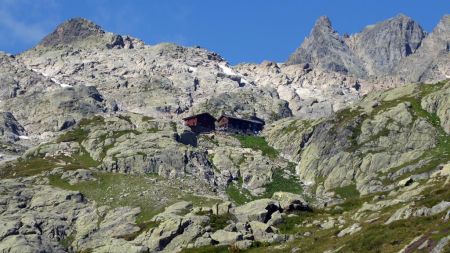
x=72, y=30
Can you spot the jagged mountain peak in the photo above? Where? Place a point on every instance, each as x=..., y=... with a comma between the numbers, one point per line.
x=74, y=29
x=323, y=21
x=326, y=49
x=445, y=19
x=444, y=25
x=401, y=16
x=400, y=20
x=323, y=27
x=375, y=51
x=83, y=33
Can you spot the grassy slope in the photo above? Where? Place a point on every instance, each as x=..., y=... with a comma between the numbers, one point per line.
x=109, y=187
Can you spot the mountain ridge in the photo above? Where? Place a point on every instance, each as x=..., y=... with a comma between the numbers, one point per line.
x=379, y=49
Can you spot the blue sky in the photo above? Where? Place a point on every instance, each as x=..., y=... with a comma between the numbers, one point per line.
x=239, y=30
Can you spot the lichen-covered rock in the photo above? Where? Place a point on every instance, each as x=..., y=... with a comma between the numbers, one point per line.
x=358, y=143
x=77, y=176
x=10, y=129
x=49, y=111
x=355, y=228
x=290, y=136
x=253, y=167
x=264, y=233
x=257, y=210
x=439, y=103
x=326, y=49
x=226, y=237
x=291, y=202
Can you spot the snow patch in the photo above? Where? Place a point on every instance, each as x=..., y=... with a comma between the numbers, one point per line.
x=63, y=85
x=227, y=70
x=244, y=81
x=308, y=183
x=37, y=71
x=192, y=69
x=23, y=137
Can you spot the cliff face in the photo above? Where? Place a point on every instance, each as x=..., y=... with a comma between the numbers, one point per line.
x=381, y=47
x=385, y=49
x=326, y=49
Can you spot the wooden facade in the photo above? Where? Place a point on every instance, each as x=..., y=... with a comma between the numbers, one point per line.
x=201, y=123
x=236, y=125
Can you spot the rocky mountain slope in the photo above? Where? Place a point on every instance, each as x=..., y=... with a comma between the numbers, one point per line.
x=398, y=48
x=94, y=157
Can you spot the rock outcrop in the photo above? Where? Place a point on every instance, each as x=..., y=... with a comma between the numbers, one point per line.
x=10, y=129
x=397, y=51
x=382, y=46
x=384, y=133
x=326, y=49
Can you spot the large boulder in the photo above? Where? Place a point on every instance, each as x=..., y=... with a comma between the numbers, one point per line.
x=262, y=232
x=226, y=237
x=78, y=176
x=175, y=210
x=291, y=202
x=258, y=210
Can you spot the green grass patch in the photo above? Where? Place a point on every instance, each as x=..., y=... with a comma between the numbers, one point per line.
x=80, y=160
x=67, y=241
x=426, y=89
x=297, y=126
x=434, y=195
x=76, y=135
x=346, y=115
x=153, y=130
x=79, y=134
x=392, y=237
x=279, y=183
x=257, y=143
x=218, y=222
x=208, y=249
x=173, y=125
x=143, y=227
x=374, y=237
x=27, y=167
x=238, y=195
x=147, y=118
x=126, y=118
x=348, y=191
x=290, y=224
x=35, y=165
x=96, y=120
x=209, y=139
x=109, y=187
x=117, y=134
